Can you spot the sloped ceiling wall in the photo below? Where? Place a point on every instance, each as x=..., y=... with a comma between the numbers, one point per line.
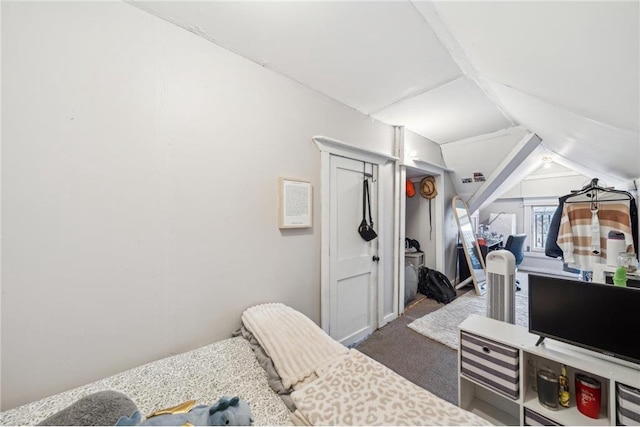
x=469, y=176
x=448, y=71
x=566, y=70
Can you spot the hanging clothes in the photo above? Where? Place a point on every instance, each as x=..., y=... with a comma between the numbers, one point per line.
x=587, y=218
x=551, y=248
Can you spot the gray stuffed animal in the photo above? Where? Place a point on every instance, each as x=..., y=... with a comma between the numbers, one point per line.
x=232, y=412
x=102, y=408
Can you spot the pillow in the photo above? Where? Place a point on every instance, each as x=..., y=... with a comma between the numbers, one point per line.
x=102, y=408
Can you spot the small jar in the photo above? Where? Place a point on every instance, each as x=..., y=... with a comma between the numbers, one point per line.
x=628, y=261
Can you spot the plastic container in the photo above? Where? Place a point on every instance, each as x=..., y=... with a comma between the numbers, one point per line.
x=615, y=245
x=628, y=261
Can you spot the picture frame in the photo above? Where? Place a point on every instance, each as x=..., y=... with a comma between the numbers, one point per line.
x=295, y=205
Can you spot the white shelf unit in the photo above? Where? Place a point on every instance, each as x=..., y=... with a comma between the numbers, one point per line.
x=500, y=409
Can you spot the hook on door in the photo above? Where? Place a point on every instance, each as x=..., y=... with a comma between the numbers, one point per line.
x=367, y=174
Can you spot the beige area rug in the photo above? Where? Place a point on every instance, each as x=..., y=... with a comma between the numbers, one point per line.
x=442, y=324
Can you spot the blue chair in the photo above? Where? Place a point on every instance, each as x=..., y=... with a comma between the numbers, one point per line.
x=515, y=245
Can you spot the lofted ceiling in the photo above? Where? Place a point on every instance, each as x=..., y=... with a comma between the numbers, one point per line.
x=567, y=71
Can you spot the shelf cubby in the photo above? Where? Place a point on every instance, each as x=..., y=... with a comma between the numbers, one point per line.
x=499, y=409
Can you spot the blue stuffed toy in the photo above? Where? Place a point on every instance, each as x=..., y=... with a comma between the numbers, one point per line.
x=233, y=412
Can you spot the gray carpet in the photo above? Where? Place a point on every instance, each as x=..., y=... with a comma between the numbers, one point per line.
x=425, y=362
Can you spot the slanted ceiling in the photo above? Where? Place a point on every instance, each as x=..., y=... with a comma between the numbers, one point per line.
x=567, y=72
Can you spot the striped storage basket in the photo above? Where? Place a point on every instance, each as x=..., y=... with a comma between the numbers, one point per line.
x=534, y=419
x=627, y=405
x=494, y=365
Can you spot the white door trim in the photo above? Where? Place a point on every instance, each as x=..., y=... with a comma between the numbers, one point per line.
x=399, y=223
x=329, y=147
x=340, y=148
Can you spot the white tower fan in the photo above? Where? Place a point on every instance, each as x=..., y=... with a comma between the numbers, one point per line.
x=501, y=286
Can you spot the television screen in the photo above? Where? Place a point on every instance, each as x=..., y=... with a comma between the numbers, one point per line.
x=599, y=317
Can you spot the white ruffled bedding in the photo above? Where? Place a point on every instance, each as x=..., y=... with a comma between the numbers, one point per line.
x=224, y=368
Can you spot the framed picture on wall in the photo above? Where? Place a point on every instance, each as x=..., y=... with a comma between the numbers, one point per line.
x=295, y=203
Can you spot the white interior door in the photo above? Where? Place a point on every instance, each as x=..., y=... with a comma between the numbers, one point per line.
x=353, y=263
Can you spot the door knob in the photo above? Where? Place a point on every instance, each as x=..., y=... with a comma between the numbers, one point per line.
x=376, y=258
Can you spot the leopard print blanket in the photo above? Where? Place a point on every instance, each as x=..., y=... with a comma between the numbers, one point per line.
x=357, y=390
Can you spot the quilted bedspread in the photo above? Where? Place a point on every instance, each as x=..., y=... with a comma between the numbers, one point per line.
x=224, y=368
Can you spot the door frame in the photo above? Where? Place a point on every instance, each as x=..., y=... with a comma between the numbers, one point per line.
x=438, y=219
x=439, y=203
x=329, y=147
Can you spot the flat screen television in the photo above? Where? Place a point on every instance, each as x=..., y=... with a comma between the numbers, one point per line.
x=602, y=318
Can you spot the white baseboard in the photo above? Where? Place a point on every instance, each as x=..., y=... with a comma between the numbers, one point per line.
x=388, y=318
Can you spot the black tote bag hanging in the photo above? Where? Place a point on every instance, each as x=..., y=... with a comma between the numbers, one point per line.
x=366, y=229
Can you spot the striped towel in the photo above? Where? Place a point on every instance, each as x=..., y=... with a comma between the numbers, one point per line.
x=296, y=345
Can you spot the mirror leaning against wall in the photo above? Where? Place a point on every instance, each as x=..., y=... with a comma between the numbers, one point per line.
x=470, y=245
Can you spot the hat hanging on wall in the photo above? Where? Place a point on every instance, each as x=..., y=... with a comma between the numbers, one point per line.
x=428, y=187
x=428, y=191
x=411, y=189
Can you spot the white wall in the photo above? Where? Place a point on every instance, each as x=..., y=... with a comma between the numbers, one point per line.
x=547, y=187
x=414, y=217
x=417, y=224
x=482, y=154
x=508, y=206
x=418, y=149
x=544, y=188
x=139, y=200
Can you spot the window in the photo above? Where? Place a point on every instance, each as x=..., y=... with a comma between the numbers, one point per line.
x=540, y=221
x=538, y=212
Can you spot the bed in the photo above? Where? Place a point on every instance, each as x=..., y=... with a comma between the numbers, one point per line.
x=227, y=367
x=286, y=368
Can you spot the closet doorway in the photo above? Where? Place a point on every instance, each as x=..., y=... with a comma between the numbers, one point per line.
x=421, y=222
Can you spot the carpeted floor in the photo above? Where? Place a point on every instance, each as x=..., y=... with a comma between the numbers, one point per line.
x=425, y=362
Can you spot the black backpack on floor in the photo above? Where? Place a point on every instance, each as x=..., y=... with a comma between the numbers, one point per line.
x=435, y=285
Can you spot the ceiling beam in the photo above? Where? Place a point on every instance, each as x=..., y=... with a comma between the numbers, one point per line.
x=509, y=166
